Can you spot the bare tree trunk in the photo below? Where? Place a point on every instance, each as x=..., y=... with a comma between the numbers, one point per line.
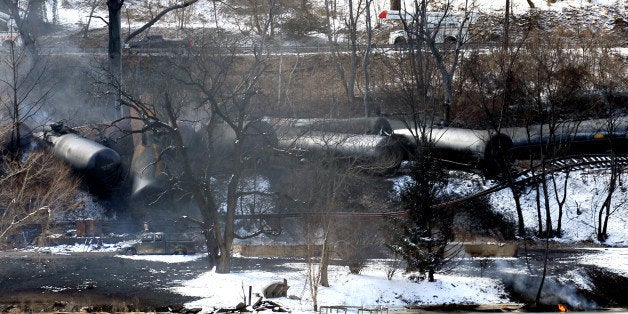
x=538, y=293
x=506, y=42
x=23, y=28
x=324, y=262
x=548, y=215
x=92, y=9
x=115, y=55
x=367, y=59
x=605, y=210
x=520, y=224
x=560, y=201
x=224, y=263
x=333, y=48
x=353, y=59
x=539, y=215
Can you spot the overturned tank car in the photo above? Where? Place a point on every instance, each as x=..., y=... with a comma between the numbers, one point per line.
x=366, y=125
x=99, y=164
x=465, y=148
x=595, y=136
x=374, y=154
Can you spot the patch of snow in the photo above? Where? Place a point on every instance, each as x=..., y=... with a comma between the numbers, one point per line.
x=579, y=279
x=614, y=259
x=88, y=209
x=75, y=248
x=164, y=258
x=369, y=289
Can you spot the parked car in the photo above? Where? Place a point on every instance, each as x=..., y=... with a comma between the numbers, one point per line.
x=157, y=243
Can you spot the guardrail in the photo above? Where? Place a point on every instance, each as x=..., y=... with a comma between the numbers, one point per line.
x=275, y=50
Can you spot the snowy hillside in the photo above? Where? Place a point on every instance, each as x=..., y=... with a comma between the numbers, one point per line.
x=585, y=193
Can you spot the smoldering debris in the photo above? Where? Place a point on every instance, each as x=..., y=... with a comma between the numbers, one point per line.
x=525, y=288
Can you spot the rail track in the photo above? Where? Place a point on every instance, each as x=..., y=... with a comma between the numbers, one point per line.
x=528, y=176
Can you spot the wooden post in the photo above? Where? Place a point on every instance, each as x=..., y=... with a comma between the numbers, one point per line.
x=250, y=291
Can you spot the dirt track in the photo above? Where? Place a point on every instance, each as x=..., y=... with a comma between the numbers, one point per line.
x=100, y=281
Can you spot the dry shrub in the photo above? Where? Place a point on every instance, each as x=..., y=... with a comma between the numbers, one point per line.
x=32, y=191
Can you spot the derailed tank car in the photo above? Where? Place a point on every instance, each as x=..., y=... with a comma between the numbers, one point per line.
x=465, y=148
x=370, y=125
x=595, y=136
x=373, y=154
x=99, y=164
x=257, y=138
x=153, y=163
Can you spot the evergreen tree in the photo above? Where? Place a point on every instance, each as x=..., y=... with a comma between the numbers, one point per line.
x=421, y=237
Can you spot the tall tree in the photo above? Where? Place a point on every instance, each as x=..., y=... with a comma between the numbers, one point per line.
x=428, y=30
x=26, y=29
x=115, y=42
x=214, y=80
x=23, y=92
x=34, y=185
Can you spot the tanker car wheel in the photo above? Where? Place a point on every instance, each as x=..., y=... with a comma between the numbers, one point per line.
x=181, y=252
x=130, y=251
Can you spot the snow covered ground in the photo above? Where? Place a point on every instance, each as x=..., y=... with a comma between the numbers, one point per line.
x=369, y=289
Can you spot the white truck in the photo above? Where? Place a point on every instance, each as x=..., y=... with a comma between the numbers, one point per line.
x=9, y=34
x=447, y=26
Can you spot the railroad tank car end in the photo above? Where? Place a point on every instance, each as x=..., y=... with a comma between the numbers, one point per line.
x=99, y=164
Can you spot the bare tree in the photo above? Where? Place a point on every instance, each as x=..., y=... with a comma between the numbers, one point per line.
x=93, y=5
x=613, y=127
x=426, y=29
x=22, y=92
x=322, y=185
x=258, y=18
x=159, y=15
x=333, y=31
x=26, y=28
x=115, y=40
x=214, y=81
x=366, y=59
x=356, y=240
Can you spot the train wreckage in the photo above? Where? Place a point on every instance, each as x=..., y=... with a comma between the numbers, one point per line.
x=105, y=153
